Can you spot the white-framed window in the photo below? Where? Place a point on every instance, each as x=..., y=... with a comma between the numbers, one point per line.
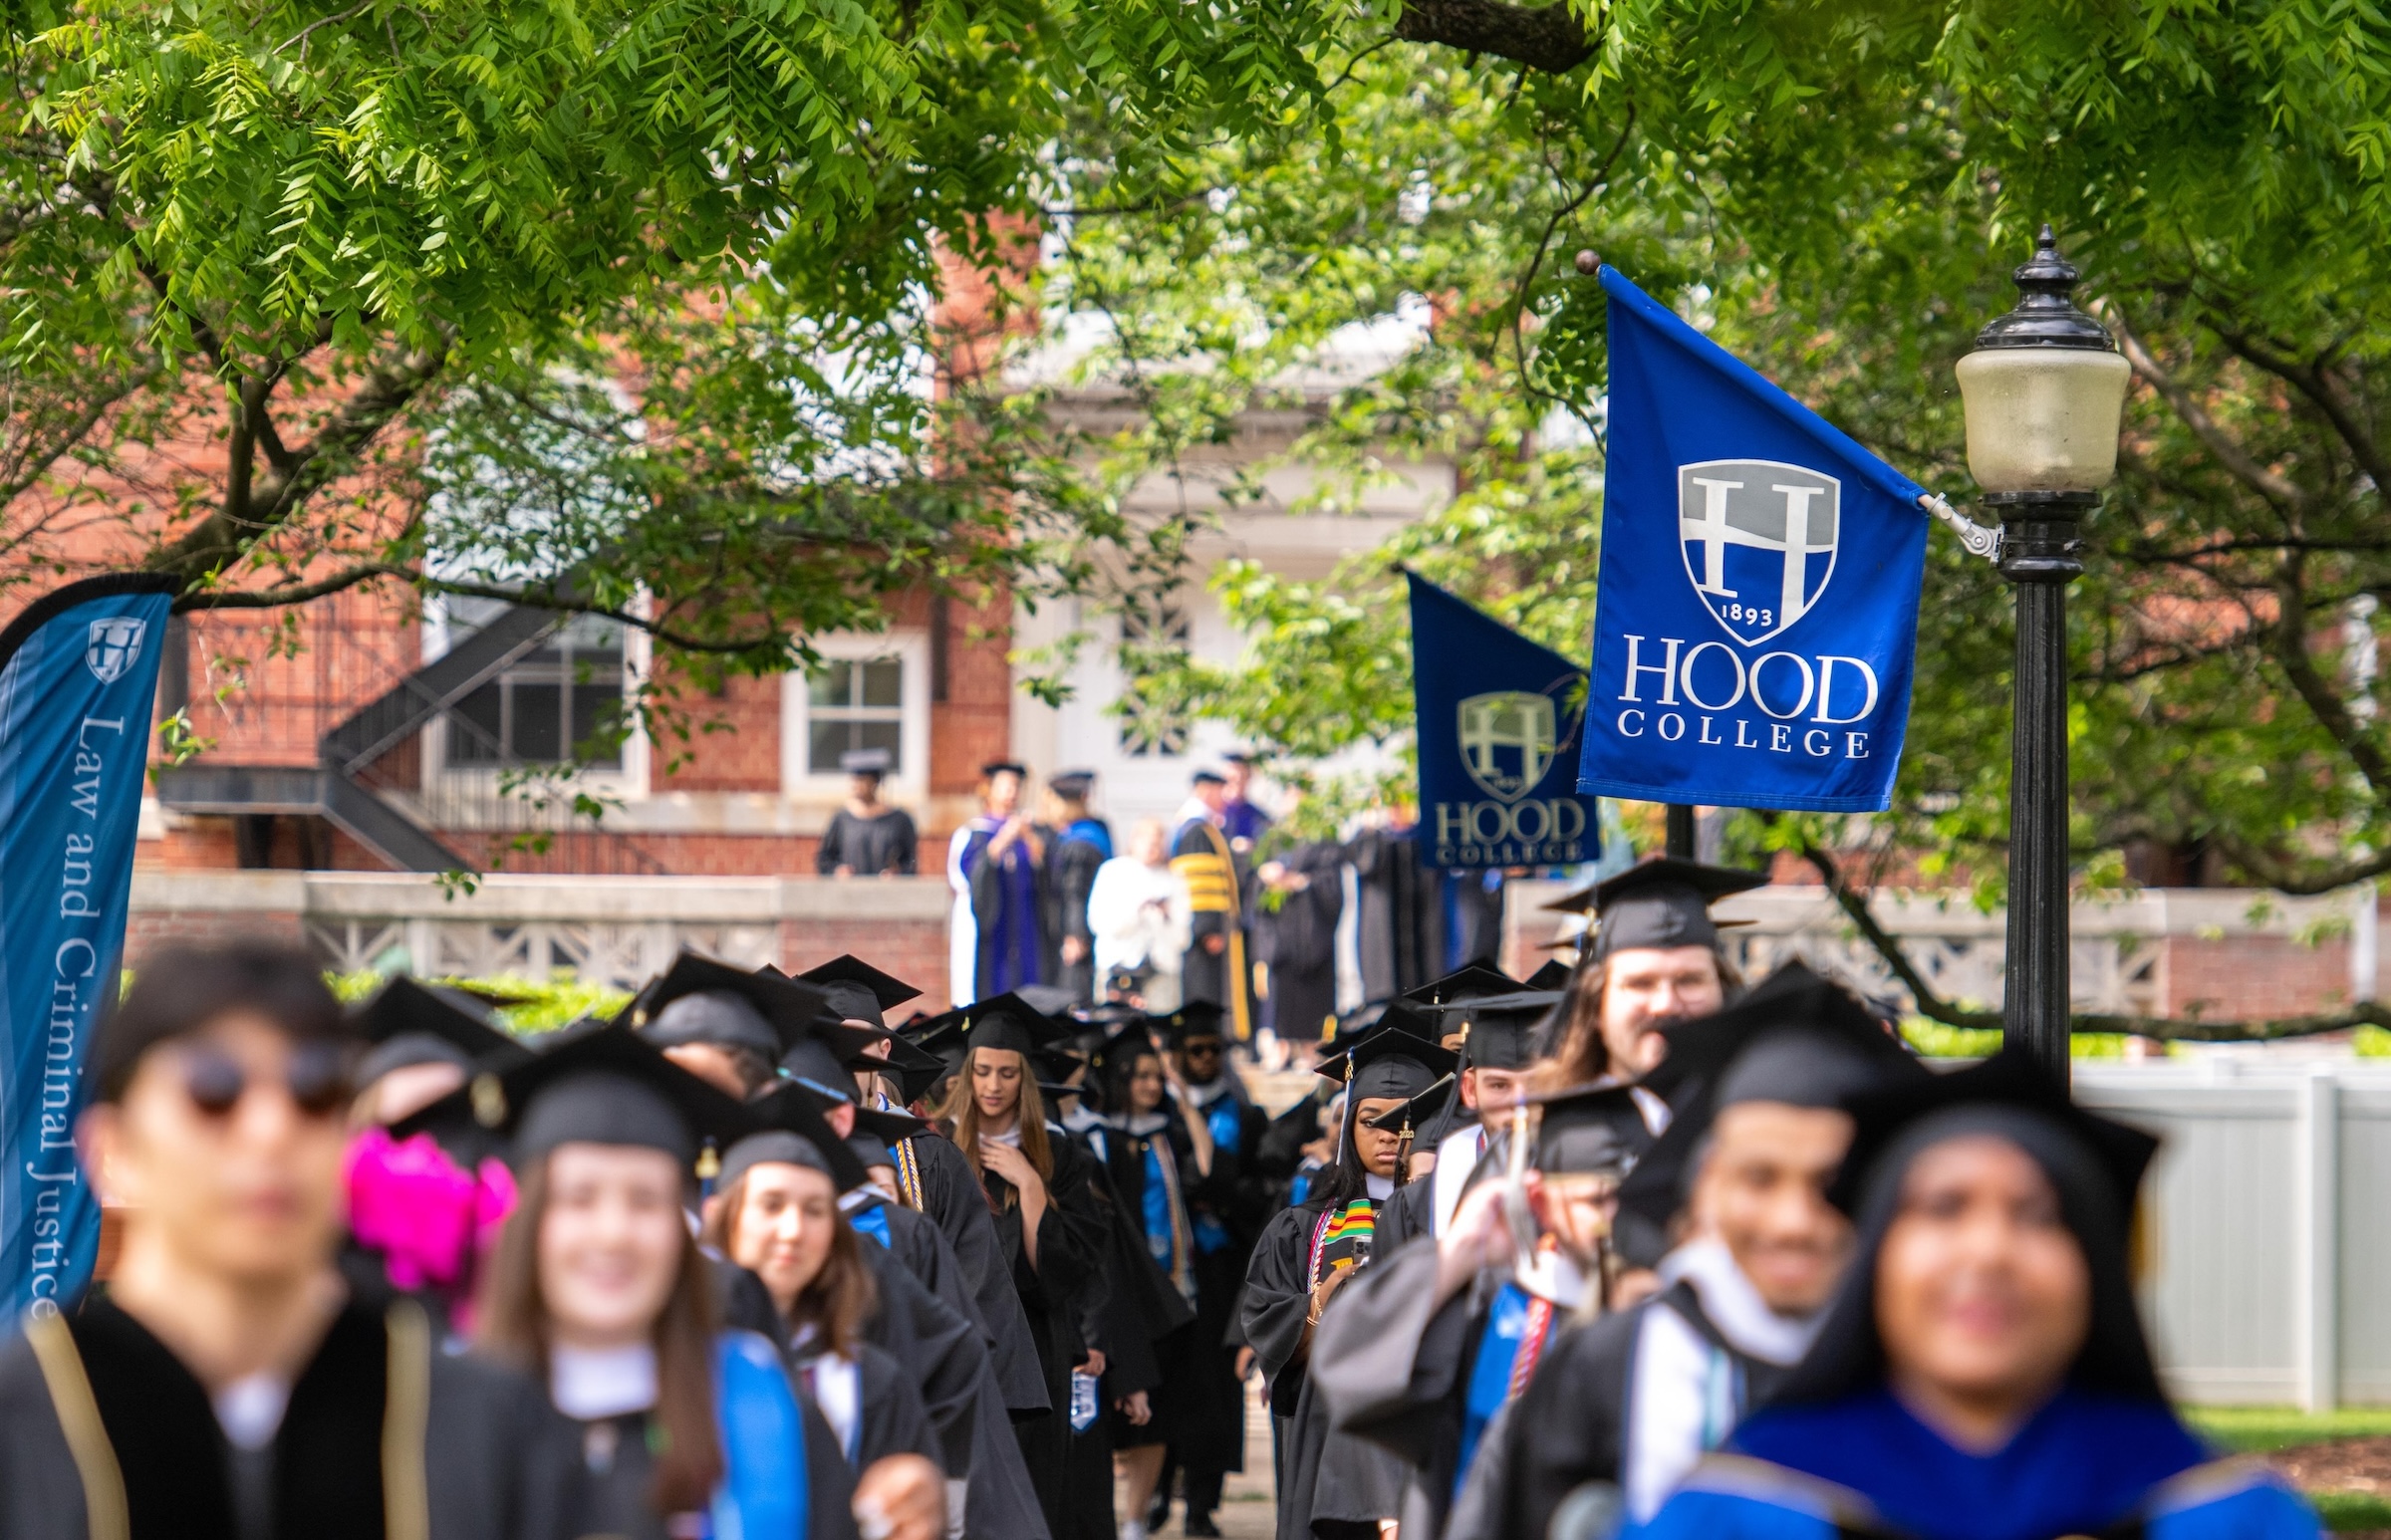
x=870, y=692
x=564, y=699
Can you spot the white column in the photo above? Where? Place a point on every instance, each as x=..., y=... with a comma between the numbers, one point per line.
x=2364, y=941
x=2317, y=1315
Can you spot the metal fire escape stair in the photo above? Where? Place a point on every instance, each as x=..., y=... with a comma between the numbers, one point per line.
x=332, y=790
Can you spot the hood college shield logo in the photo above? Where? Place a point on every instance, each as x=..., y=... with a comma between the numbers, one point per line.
x=1759, y=538
x=1507, y=741
x=113, y=647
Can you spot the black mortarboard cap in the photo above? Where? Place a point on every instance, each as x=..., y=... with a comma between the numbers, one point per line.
x=866, y=761
x=1208, y=778
x=1552, y=975
x=858, y=991
x=1582, y=1128
x=1195, y=1018
x=404, y=1008
x=787, y=1006
x=1122, y=1048
x=1472, y=981
x=796, y=1110
x=889, y=1127
x=2011, y=1078
x=871, y=1150
x=722, y=1018
x=1072, y=785
x=1420, y=1112
x=1796, y=1039
x=1009, y=1021
x=600, y=1088
x=1394, y=1059
x=775, y=1146
x=1664, y=902
x=1048, y=999
x=997, y=767
x=914, y=1069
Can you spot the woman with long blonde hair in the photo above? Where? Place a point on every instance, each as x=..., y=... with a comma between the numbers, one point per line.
x=1037, y=1184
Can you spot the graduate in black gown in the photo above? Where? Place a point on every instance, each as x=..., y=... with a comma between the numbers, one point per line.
x=1622, y=1408
x=844, y=1056
x=1331, y=1485
x=1227, y=1210
x=227, y=1386
x=866, y=837
x=1981, y=1374
x=1424, y=1350
x=775, y=1212
x=935, y=1179
x=1077, y=843
x=1036, y=1181
x=1154, y=1147
x=599, y=1287
x=926, y=1320
x=1299, y=900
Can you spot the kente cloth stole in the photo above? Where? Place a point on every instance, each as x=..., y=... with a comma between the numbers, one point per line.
x=1342, y=1237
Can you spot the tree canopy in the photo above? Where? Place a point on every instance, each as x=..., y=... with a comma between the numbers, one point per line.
x=638, y=297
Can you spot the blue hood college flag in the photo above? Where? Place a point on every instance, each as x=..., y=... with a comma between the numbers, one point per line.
x=1497, y=728
x=1757, y=612
x=77, y=680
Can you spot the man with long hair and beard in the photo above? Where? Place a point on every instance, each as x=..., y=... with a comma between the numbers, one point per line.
x=1657, y=960
x=1329, y=1484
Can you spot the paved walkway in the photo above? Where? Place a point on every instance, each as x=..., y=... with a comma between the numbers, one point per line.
x=1248, y=1510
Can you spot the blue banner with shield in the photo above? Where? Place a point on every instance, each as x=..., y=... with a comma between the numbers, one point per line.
x=1498, y=719
x=1756, y=614
x=78, y=682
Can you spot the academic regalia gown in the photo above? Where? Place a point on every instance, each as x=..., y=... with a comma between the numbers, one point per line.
x=1145, y=1161
x=621, y=1471
x=887, y=1416
x=475, y=1446
x=1228, y=1213
x=1400, y=930
x=947, y=1362
x=2085, y=1465
x=1065, y=879
x=1577, y=1421
x=1299, y=939
x=1329, y=1484
x=994, y=931
x=1072, y=1238
x=1218, y=886
x=869, y=847
x=1391, y=1367
x=939, y=1182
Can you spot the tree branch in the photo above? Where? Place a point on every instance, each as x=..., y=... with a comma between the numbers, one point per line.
x=221, y=538
x=2266, y=483
x=1548, y=38
x=2314, y=383
x=1854, y=904
x=2331, y=712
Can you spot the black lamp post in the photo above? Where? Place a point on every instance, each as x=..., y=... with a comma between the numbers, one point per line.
x=2043, y=393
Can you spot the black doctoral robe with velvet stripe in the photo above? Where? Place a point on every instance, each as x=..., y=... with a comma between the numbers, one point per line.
x=500, y=1462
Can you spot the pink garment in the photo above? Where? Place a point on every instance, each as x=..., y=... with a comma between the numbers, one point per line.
x=430, y=1220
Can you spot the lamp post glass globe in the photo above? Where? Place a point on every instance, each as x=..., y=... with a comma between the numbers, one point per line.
x=2045, y=390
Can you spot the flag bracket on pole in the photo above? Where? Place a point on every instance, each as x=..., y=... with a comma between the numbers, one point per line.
x=1979, y=539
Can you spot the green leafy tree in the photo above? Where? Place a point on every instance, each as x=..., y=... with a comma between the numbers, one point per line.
x=1837, y=198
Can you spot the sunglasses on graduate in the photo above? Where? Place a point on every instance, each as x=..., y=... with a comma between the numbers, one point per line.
x=316, y=1076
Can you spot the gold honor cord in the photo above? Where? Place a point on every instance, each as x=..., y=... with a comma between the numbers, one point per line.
x=105, y=1505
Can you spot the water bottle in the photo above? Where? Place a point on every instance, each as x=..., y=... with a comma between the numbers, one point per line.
x=1083, y=1401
